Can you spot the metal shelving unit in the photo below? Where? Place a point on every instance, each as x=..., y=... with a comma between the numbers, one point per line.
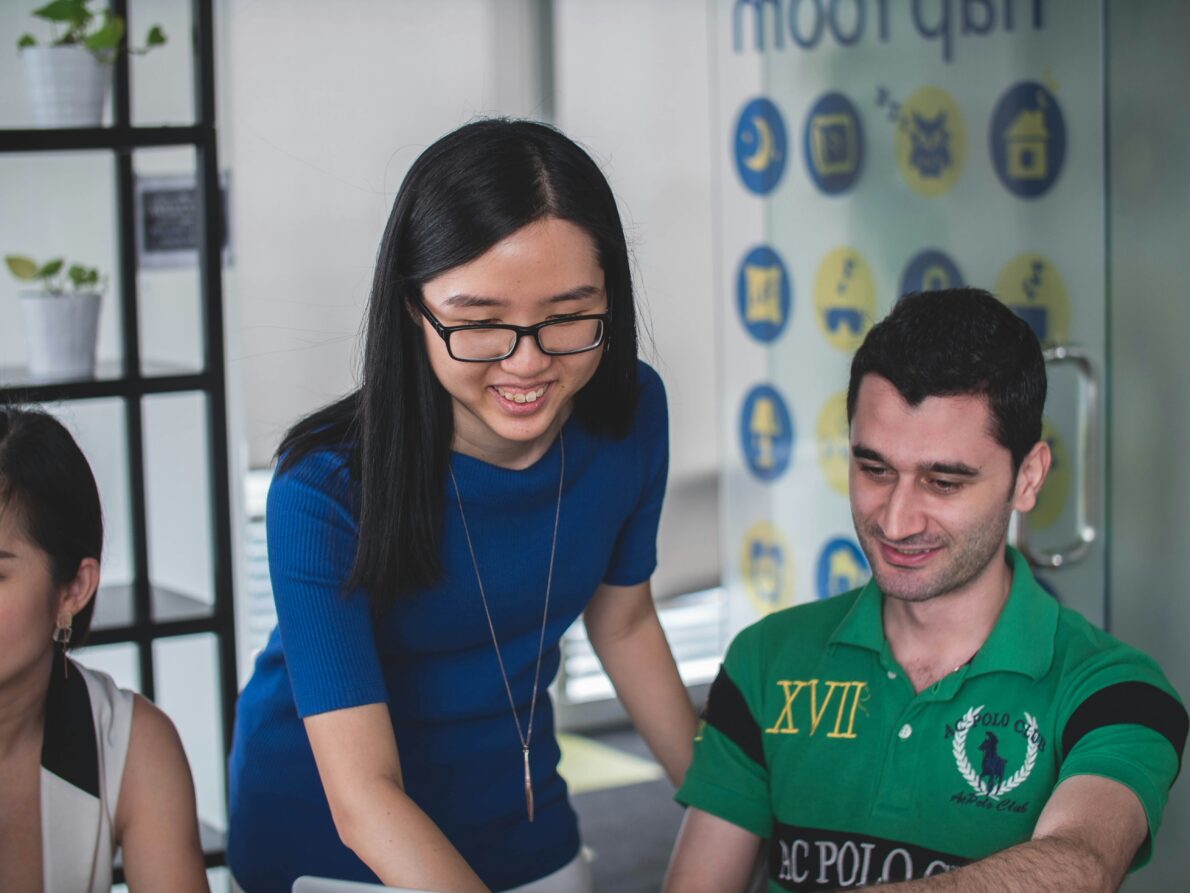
x=141, y=612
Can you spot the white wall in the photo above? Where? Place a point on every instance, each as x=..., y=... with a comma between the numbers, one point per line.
x=633, y=86
x=329, y=104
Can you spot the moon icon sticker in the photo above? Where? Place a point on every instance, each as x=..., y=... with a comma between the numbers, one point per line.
x=761, y=146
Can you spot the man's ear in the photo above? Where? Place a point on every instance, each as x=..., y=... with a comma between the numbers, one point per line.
x=1031, y=476
x=75, y=595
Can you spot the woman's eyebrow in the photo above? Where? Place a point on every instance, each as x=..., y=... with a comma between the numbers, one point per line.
x=466, y=301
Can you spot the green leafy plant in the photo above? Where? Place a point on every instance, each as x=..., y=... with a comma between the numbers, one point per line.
x=74, y=24
x=54, y=276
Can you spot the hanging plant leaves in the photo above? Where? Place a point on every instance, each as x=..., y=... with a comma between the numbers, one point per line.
x=108, y=37
x=23, y=268
x=51, y=268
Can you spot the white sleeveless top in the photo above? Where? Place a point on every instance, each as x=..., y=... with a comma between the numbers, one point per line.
x=88, y=722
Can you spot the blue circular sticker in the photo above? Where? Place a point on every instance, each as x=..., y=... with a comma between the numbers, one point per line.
x=766, y=433
x=1028, y=139
x=834, y=143
x=763, y=293
x=930, y=270
x=841, y=567
x=761, y=146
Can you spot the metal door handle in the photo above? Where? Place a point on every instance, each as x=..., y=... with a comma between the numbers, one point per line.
x=1086, y=507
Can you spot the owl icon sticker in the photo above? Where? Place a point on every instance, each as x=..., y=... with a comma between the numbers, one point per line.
x=931, y=141
x=760, y=146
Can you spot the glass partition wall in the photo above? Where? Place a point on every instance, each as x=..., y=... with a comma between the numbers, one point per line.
x=870, y=149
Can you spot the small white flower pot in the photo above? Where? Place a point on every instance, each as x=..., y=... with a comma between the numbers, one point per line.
x=66, y=85
x=60, y=334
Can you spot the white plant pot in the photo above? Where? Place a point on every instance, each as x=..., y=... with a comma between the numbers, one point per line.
x=60, y=334
x=66, y=85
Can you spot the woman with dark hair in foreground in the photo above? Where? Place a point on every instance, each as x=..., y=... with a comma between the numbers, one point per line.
x=86, y=768
x=499, y=472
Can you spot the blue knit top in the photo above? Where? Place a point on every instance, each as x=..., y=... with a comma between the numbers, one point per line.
x=430, y=658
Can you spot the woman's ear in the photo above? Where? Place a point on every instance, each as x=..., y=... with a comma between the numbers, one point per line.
x=75, y=595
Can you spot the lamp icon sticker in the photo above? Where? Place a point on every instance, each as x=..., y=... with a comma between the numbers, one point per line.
x=766, y=433
x=832, y=437
x=1032, y=287
x=766, y=568
x=841, y=567
x=763, y=293
x=930, y=270
x=760, y=146
x=930, y=141
x=844, y=298
x=834, y=143
x=1028, y=139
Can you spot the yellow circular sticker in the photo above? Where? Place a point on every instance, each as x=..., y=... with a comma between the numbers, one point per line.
x=1054, y=492
x=931, y=141
x=833, y=441
x=1033, y=288
x=767, y=568
x=844, y=298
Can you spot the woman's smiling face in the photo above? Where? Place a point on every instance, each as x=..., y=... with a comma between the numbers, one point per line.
x=508, y=411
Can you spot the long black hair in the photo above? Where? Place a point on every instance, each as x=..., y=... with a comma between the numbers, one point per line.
x=466, y=192
x=46, y=482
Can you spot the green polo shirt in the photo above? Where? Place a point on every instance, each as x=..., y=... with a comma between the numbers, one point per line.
x=814, y=739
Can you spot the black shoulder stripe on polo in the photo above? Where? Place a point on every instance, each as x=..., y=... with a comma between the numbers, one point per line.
x=728, y=712
x=1135, y=703
x=68, y=748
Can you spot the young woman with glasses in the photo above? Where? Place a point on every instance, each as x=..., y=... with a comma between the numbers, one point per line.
x=86, y=768
x=499, y=471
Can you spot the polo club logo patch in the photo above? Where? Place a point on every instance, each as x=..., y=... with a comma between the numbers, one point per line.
x=989, y=780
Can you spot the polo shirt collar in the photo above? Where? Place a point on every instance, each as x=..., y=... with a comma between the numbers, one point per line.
x=1022, y=641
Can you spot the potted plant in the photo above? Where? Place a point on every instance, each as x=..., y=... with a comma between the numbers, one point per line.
x=67, y=80
x=61, y=316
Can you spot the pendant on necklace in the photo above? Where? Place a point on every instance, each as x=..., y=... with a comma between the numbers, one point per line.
x=528, y=784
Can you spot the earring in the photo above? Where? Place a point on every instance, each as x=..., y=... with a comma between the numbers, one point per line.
x=62, y=633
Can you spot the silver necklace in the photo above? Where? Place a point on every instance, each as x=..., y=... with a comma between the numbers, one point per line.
x=526, y=736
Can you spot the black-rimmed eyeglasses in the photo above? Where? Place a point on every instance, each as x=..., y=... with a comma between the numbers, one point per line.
x=489, y=342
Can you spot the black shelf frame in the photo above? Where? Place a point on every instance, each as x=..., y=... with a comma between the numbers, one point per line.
x=132, y=381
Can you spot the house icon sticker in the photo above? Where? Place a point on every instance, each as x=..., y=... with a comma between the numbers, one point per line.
x=1027, y=137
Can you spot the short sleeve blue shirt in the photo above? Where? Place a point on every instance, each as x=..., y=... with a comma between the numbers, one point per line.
x=430, y=658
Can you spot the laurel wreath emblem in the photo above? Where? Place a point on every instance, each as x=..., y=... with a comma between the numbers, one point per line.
x=968, y=771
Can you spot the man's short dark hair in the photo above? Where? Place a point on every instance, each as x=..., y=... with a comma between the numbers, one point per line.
x=960, y=341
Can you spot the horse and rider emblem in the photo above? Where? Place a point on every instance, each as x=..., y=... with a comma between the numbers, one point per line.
x=989, y=780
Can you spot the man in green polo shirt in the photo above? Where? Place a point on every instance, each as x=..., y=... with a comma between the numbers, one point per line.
x=949, y=726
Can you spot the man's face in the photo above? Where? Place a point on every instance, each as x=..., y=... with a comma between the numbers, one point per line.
x=931, y=490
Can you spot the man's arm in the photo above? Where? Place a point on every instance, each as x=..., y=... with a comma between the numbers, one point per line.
x=711, y=856
x=1084, y=841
